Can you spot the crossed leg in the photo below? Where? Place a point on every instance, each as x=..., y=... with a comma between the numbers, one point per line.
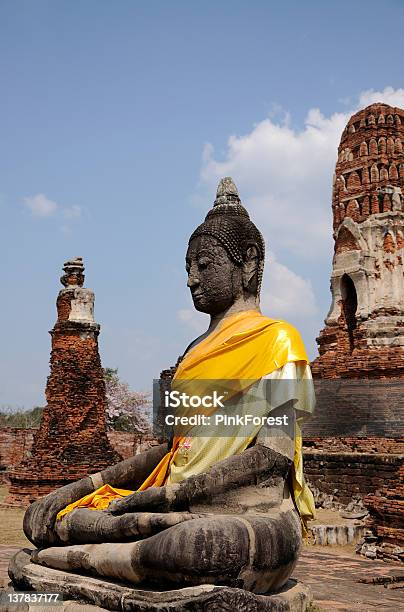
x=254, y=552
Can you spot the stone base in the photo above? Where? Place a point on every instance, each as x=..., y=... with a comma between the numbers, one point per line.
x=336, y=535
x=108, y=595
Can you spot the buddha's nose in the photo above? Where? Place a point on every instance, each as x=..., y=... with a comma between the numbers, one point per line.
x=193, y=281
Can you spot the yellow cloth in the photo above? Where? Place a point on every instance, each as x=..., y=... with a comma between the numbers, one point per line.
x=97, y=500
x=244, y=348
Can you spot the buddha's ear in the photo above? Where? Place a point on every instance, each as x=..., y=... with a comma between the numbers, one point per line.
x=250, y=269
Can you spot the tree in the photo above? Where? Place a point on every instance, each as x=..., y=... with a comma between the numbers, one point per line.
x=126, y=410
x=20, y=418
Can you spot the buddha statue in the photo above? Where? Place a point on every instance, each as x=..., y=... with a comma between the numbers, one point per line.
x=221, y=511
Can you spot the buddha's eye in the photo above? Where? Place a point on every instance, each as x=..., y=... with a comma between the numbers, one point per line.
x=203, y=263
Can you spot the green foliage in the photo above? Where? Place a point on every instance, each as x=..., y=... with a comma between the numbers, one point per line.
x=110, y=374
x=21, y=418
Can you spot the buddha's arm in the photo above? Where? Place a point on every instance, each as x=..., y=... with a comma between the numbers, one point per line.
x=149, y=512
x=39, y=519
x=258, y=465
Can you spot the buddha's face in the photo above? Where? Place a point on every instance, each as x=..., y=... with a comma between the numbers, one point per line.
x=214, y=279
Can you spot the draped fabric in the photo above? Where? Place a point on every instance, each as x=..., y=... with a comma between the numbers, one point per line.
x=244, y=348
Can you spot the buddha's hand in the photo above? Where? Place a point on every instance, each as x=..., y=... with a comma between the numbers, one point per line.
x=156, y=499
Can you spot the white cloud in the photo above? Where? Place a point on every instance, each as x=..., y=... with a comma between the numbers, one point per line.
x=394, y=97
x=286, y=294
x=40, y=205
x=284, y=176
x=73, y=212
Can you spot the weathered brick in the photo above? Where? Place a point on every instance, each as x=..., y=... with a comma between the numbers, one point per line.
x=354, y=443
x=72, y=439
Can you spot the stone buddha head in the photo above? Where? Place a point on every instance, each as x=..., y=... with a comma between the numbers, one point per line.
x=225, y=256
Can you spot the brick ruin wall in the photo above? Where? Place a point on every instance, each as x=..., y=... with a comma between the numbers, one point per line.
x=376, y=477
x=354, y=445
x=371, y=466
x=72, y=438
x=16, y=443
x=370, y=156
x=336, y=355
x=368, y=214
x=73, y=423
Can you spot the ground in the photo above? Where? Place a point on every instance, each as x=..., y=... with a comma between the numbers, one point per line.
x=330, y=517
x=11, y=524
x=333, y=573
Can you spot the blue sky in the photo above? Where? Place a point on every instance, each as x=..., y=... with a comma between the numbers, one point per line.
x=117, y=119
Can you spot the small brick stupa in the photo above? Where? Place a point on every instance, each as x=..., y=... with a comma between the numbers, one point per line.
x=72, y=439
x=354, y=443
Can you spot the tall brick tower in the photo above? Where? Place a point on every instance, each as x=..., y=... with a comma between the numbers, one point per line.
x=72, y=439
x=354, y=443
x=364, y=331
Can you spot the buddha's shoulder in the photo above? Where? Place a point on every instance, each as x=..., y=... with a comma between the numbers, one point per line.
x=282, y=328
x=285, y=339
